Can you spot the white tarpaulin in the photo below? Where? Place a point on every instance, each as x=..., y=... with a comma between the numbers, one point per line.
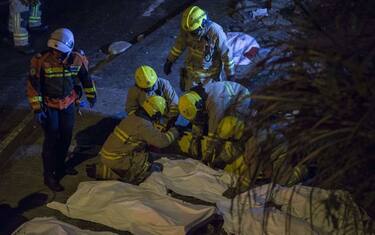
x=248, y=215
x=50, y=225
x=189, y=177
x=332, y=211
x=132, y=208
x=244, y=47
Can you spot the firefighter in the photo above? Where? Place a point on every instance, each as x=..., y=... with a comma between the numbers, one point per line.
x=53, y=88
x=125, y=154
x=206, y=106
x=147, y=84
x=208, y=50
x=24, y=15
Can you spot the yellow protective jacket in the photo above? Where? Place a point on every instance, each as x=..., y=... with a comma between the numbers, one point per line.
x=134, y=134
x=222, y=99
x=206, y=56
x=163, y=87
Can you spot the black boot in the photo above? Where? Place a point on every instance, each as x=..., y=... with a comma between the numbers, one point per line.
x=71, y=171
x=91, y=170
x=53, y=184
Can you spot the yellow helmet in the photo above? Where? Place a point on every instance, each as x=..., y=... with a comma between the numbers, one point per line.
x=154, y=104
x=145, y=77
x=187, y=105
x=230, y=127
x=192, y=18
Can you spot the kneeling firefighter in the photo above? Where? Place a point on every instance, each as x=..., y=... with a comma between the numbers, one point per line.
x=125, y=155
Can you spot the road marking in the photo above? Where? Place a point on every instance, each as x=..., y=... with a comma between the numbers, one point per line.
x=152, y=7
x=14, y=133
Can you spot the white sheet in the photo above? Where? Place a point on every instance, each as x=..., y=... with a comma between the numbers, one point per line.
x=240, y=44
x=192, y=178
x=333, y=211
x=50, y=225
x=132, y=208
x=189, y=177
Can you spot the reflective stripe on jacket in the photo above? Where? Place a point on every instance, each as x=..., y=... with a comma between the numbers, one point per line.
x=225, y=98
x=133, y=134
x=206, y=56
x=163, y=87
x=52, y=81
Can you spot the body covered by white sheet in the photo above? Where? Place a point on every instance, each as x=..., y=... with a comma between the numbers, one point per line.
x=332, y=211
x=192, y=178
x=189, y=177
x=132, y=208
x=50, y=225
x=246, y=214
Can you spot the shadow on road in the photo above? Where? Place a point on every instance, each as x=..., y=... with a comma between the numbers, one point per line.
x=90, y=140
x=11, y=217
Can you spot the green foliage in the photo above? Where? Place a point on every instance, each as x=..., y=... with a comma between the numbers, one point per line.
x=319, y=110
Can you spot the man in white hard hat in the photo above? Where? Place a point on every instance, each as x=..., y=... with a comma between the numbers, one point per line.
x=54, y=85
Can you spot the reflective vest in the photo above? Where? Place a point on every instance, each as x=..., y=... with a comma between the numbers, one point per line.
x=51, y=81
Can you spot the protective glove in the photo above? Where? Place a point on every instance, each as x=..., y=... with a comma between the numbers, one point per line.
x=168, y=67
x=156, y=167
x=92, y=101
x=40, y=117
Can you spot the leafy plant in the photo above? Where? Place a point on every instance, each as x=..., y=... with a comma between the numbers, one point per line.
x=318, y=108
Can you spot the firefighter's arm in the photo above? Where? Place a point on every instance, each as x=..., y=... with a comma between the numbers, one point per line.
x=215, y=114
x=86, y=81
x=178, y=47
x=131, y=104
x=171, y=98
x=159, y=139
x=226, y=54
x=33, y=86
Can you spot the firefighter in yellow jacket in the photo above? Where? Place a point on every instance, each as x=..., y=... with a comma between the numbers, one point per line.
x=206, y=106
x=147, y=84
x=24, y=15
x=125, y=155
x=53, y=88
x=208, y=51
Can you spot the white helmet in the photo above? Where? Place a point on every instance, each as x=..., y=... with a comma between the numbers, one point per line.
x=61, y=40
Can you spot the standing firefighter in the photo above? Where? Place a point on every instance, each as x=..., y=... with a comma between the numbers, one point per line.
x=53, y=88
x=24, y=15
x=147, y=84
x=208, y=51
x=205, y=107
x=125, y=155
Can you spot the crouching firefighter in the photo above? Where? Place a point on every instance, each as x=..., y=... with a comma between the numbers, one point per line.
x=53, y=87
x=205, y=106
x=125, y=154
x=147, y=83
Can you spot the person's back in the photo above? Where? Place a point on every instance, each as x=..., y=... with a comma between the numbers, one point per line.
x=136, y=132
x=225, y=98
